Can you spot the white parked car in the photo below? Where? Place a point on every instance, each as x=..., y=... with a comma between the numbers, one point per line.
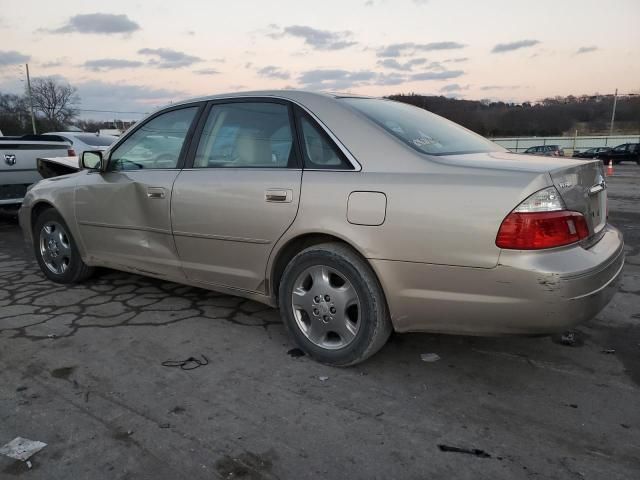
x=83, y=141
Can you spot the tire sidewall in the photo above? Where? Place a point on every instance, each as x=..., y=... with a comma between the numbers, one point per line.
x=75, y=264
x=370, y=310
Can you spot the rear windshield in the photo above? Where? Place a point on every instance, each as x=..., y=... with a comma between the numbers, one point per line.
x=422, y=130
x=96, y=140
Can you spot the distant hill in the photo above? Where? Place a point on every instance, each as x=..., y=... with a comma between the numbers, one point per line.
x=590, y=115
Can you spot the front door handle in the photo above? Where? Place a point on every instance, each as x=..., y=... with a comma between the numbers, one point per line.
x=279, y=195
x=155, y=192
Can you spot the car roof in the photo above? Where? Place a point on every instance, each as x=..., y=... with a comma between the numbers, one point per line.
x=292, y=95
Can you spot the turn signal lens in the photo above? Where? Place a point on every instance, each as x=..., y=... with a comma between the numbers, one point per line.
x=538, y=230
x=71, y=152
x=545, y=200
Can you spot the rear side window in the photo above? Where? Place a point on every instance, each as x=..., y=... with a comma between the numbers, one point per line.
x=247, y=135
x=319, y=151
x=420, y=129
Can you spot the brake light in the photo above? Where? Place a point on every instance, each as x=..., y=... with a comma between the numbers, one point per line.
x=71, y=152
x=541, y=221
x=534, y=231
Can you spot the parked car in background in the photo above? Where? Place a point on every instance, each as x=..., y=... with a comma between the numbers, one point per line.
x=376, y=216
x=546, y=150
x=18, y=163
x=591, y=153
x=627, y=152
x=84, y=141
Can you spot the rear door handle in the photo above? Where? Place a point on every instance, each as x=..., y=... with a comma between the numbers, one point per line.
x=155, y=192
x=279, y=195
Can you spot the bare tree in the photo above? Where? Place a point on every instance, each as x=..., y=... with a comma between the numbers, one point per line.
x=55, y=100
x=14, y=114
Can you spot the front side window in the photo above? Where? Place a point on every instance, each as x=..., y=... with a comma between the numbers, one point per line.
x=422, y=130
x=620, y=148
x=247, y=135
x=320, y=152
x=156, y=144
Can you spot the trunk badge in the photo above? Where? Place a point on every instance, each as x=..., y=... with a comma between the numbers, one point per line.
x=10, y=159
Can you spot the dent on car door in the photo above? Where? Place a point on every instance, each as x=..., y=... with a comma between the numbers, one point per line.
x=123, y=213
x=240, y=196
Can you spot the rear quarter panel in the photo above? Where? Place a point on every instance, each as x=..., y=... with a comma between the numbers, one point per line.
x=443, y=214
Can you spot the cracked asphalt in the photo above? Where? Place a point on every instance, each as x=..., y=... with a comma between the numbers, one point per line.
x=81, y=370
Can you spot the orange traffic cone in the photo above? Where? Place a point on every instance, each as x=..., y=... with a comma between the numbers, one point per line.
x=610, y=168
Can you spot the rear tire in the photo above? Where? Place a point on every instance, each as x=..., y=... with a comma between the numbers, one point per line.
x=333, y=306
x=56, y=251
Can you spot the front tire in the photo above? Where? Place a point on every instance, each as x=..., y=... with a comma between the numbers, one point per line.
x=56, y=251
x=333, y=306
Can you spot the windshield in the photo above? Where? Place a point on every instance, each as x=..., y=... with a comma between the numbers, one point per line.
x=96, y=140
x=422, y=130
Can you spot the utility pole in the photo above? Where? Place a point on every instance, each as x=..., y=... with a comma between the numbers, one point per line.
x=613, y=114
x=33, y=118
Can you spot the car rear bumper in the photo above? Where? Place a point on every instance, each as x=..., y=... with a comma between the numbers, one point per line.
x=534, y=292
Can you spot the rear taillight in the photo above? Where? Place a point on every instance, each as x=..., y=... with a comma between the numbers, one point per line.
x=71, y=152
x=541, y=221
x=533, y=231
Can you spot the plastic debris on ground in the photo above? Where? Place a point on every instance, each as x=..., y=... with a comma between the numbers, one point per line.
x=429, y=357
x=323, y=379
x=21, y=448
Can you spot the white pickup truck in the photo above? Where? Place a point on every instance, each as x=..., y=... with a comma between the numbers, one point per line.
x=19, y=165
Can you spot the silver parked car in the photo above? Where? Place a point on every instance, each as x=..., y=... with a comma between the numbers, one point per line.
x=84, y=141
x=356, y=216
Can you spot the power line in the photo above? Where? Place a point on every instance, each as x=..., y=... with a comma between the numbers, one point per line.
x=108, y=111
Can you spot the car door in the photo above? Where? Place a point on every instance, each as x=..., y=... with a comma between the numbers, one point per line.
x=239, y=195
x=123, y=213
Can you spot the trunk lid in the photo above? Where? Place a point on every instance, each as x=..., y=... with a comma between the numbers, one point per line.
x=583, y=189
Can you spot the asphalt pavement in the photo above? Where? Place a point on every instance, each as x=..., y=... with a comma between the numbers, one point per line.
x=81, y=369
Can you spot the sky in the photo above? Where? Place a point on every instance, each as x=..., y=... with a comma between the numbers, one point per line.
x=134, y=56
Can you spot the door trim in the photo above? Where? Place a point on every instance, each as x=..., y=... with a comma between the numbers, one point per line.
x=124, y=227
x=212, y=236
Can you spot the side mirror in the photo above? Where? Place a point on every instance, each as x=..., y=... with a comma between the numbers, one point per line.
x=91, y=160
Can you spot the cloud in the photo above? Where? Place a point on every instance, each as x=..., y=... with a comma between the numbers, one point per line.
x=122, y=97
x=11, y=57
x=393, y=64
x=102, y=23
x=318, y=39
x=500, y=87
x=509, y=47
x=58, y=62
x=272, y=71
x=334, y=79
x=338, y=79
x=207, y=71
x=454, y=87
x=407, y=48
x=456, y=60
x=582, y=50
x=390, y=79
x=167, y=58
x=104, y=64
x=444, y=75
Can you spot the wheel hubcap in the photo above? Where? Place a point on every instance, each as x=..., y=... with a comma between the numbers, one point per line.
x=55, y=247
x=326, y=307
